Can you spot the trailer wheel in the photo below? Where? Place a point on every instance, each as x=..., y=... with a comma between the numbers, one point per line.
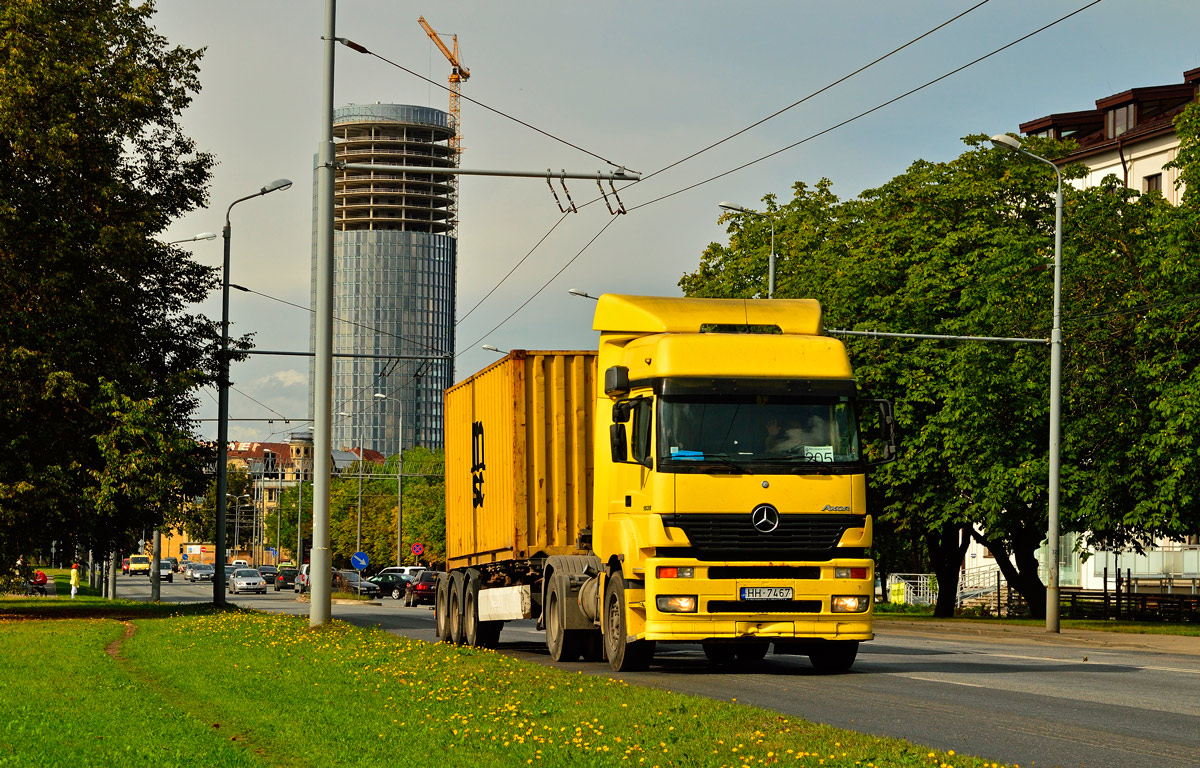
x=834, y=656
x=457, y=633
x=562, y=642
x=622, y=656
x=471, y=634
x=441, y=608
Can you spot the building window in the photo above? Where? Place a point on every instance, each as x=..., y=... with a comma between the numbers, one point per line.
x=1119, y=120
x=1152, y=183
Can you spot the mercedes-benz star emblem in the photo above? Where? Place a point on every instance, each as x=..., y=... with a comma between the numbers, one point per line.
x=764, y=518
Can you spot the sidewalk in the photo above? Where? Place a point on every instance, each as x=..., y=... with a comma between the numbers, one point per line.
x=967, y=629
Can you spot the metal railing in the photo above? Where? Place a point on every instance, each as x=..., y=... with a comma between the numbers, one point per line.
x=919, y=588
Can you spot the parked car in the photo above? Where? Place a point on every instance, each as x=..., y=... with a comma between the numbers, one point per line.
x=393, y=584
x=139, y=564
x=304, y=578
x=246, y=580
x=350, y=581
x=125, y=566
x=269, y=572
x=199, y=572
x=404, y=570
x=164, y=571
x=422, y=589
x=286, y=579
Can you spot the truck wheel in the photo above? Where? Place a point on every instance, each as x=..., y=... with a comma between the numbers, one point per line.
x=471, y=634
x=622, y=656
x=751, y=653
x=455, y=609
x=489, y=633
x=834, y=656
x=721, y=654
x=441, y=608
x=562, y=642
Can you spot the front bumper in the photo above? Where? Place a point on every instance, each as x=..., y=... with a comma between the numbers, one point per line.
x=721, y=614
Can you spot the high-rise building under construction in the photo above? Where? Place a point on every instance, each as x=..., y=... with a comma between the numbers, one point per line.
x=394, y=271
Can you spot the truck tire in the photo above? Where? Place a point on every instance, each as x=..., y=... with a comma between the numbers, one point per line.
x=622, y=656
x=720, y=654
x=455, y=609
x=489, y=633
x=470, y=605
x=441, y=608
x=834, y=656
x=563, y=643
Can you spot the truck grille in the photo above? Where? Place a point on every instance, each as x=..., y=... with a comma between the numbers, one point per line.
x=732, y=536
x=764, y=572
x=764, y=606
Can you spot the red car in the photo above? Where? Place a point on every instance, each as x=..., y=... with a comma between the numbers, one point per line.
x=422, y=588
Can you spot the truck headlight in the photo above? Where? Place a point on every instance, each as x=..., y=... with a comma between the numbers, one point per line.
x=849, y=603
x=676, y=603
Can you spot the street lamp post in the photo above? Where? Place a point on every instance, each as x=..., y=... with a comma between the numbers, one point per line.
x=399, y=475
x=223, y=396
x=237, y=518
x=194, y=238
x=771, y=261
x=361, y=458
x=1052, y=564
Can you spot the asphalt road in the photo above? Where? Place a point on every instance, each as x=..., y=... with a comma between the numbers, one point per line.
x=1014, y=696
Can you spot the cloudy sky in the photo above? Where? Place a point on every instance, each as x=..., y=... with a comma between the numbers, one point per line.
x=640, y=84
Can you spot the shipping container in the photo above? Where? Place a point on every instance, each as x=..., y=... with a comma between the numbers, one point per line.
x=519, y=458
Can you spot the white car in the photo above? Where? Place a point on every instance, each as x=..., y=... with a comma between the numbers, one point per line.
x=164, y=571
x=404, y=570
x=246, y=580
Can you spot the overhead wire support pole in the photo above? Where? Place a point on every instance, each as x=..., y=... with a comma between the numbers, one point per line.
x=321, y=588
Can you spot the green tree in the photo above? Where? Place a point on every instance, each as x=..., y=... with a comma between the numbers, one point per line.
x=964, y=248
x=99, y=357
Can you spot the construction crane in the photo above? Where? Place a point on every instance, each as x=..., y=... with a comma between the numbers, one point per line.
x=458, y=74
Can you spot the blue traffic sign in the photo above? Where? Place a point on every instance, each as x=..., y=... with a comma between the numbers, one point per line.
x=360, y=561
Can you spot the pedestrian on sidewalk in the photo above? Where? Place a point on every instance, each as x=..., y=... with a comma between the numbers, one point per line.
x=74, y=579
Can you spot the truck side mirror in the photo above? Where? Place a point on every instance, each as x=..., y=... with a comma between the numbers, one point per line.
x=618, y=442
x=887, y=433
x=616, y=380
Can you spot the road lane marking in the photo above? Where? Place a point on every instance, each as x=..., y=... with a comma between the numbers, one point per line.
x=947, y=682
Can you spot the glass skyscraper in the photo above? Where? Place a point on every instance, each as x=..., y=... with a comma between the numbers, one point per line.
x=394, y=273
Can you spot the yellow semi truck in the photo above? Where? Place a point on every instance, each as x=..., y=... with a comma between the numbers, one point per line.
x=698, y=479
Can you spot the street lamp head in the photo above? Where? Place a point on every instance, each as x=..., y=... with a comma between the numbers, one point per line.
x=193, y=238
x=581, y=294
x=1004, y=140
x=344, y=414
x=276, y=185
x=733, y=207
x=490, y=348
x=380, y=395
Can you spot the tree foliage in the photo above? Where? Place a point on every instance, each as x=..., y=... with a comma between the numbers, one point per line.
x=99, y=357
x=424, y=511
x=965, y=248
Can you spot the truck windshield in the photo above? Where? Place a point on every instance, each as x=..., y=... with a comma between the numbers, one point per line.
x=760, y=433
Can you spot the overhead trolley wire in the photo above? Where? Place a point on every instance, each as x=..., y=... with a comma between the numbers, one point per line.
x=753, y=125
x=876, y=108
x=362, y=49
x=887, y=103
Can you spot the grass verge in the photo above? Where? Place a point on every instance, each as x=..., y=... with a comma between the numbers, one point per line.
x=242, y=688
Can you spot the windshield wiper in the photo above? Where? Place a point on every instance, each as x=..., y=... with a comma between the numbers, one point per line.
x=724, y=459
